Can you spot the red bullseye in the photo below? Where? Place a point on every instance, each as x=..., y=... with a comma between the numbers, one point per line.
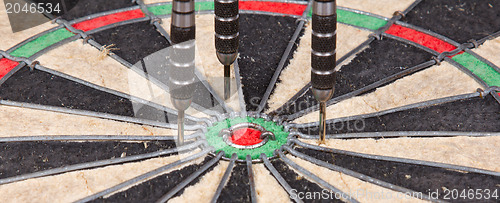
x=246, y=137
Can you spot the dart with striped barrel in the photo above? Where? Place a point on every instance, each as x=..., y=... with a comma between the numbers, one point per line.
x=324, y=36
x=182, y=60
x=226, y=37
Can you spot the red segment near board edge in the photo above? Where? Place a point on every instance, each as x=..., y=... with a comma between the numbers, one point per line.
x=246, y=137
x=6, y=66
x=421, y=38
x=275, y=7
x=108, y=20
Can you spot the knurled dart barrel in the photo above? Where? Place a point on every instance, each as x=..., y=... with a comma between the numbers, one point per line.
x=226, y=30
x=324, y=35
x=183, y=21
x=182, y=53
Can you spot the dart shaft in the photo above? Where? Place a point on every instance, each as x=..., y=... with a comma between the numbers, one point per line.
x=180, y=127
x=227, y=82
x=322, y=121
x=323, y=56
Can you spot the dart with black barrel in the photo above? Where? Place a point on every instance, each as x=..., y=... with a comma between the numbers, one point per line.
x=226, y=37
x=323, y=54
x=182, y=59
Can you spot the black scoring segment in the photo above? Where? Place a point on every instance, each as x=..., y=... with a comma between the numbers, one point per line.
x=301, y=184
x=459, y=20
x=237, y=189
x=263, y=40
x=152, y=190
x=39, y=87
x=204, y=98
x=20, y=158
x=133, y=42
x=424, y=179
x=466, y=115
x=380, y=60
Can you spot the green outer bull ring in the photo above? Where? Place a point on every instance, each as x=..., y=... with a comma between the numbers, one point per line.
x=277, y=126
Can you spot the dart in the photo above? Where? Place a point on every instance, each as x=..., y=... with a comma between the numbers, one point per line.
x=226, y=37
x=182, y=57
x=324, y=31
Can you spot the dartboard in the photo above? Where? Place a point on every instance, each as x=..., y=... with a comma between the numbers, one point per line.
x=86, y=115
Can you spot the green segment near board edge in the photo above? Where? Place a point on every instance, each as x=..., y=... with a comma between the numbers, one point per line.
x=166, y=9
x=360, y=20
x=161, y=9
x=343, y=16
x=29, y=49
x=487, y=73
x=218, y=143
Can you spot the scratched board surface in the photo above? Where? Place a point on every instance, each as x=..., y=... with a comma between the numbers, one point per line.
x=86, y=111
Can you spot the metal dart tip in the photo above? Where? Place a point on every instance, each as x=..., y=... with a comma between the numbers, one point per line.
x=180, y=125
x=322, y=123
x=227, y=82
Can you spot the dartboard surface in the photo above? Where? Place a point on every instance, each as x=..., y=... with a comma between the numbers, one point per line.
x=86, y=114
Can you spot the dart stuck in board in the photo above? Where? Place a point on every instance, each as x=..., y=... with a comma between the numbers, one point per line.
x=323, y=56
x=182, y=60
x=226, y=37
